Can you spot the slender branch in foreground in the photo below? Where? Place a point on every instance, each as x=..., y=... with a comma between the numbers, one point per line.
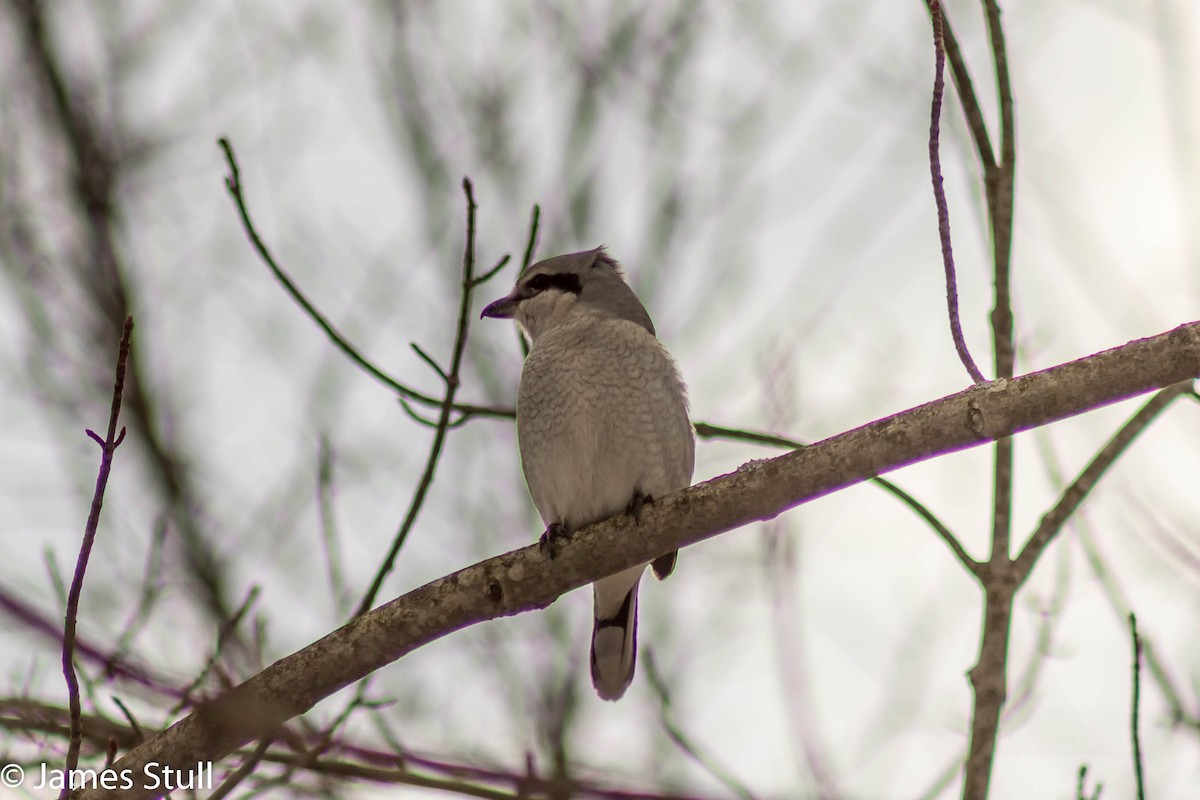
x=706, y=431
x=525, y=580
x=451, y=381
x=939, y=195
x=1180, y=714
x=1075, y=494
x=1134, y=729
x=243, y=771
x=1002, y=579
x=966, y=93
x=1081, y=786
x=999, y=177
x=233, y=184
x=535, y=218
x=224, y=635
x=108, y=446
x=683, y=741
x=989, y=675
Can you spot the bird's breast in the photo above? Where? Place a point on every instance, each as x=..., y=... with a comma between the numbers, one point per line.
x=601, y=414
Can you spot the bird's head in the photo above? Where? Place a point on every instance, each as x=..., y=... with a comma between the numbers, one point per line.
x=561, y=289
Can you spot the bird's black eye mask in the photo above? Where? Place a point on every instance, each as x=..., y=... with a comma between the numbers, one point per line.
x=563, y=281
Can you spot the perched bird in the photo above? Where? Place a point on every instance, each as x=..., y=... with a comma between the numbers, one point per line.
x=602, y=422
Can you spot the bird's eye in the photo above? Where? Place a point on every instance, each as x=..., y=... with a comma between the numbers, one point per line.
x=565, y=282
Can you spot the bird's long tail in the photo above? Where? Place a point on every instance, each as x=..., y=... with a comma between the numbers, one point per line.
x=614, y=637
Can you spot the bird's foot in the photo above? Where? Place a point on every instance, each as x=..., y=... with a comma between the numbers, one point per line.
x=634, y=509
x=552, y=539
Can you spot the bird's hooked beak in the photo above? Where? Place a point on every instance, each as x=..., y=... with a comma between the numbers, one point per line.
x=502, y=308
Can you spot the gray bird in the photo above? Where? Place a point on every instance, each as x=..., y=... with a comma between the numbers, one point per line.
x=602, y=422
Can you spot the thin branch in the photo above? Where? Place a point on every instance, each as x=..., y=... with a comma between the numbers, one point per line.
x=989, y=684
x=233, y=184
x=243, y=771
x=1180, y=714
x=535, y=219
x=966, y=93
x=325, y=738
x=677, y=735
x=1081, y=786
x=133, y=723
x=430, y=423
x=999, y=177
x=428, y=359
x=706, y=431
x=525, y=579
x=447, y=407
x=1134, y=730
x=1074, y=495
x=151, y=586
x=329, y=531
x=112, y=664
x=939, y=196
x=491, y=273
x=224, y=634
x=108, y=446
x=989, y=675
x=406, y=778
x=1047, y=617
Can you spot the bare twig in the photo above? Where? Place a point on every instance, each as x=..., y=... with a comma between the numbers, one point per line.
x=1000, y=178
x=133, y=723
x=405, y=777
x=428, y=359
x=233, y=184
x=108, y=446
x=433, y=423
x=1180, y=713
x=1081, y=786
x=989, y=676
x=325, y=738
x=535, y=218
x=491, y=273
x=966, y=93
x=939, y=195
x=525, y=579
x=151, y=586
x=677, y=735
x=451, y=381
x=1002, y=578
x=113, y=664
x=329, y=534
x=1134, y=729
x=226, y=632
x=1075, y=494
x=706, y=431
x=1047, y=617
x=243, y=771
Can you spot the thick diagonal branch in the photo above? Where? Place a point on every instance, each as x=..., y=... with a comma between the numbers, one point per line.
x=524, y=580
